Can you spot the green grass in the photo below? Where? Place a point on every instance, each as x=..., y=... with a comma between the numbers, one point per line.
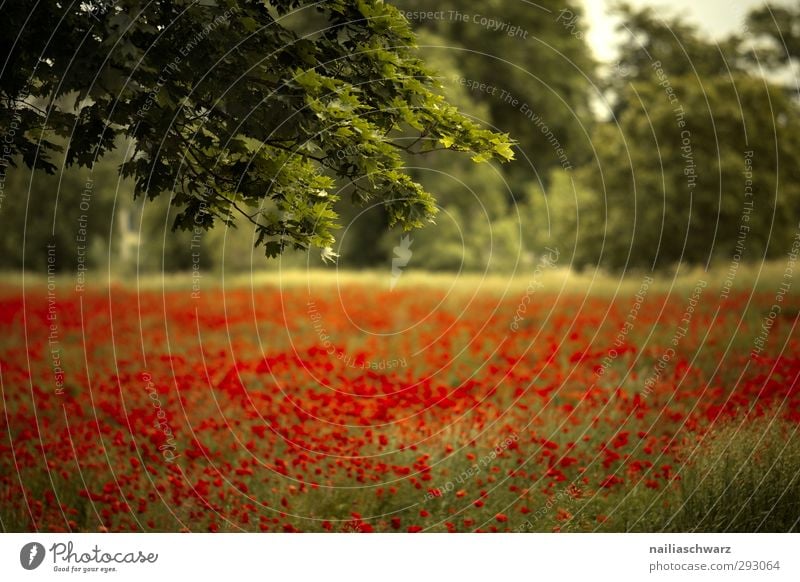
x=766, y=276
x=743, y=476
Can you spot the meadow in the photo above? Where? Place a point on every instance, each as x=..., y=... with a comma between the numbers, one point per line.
x=306, y=402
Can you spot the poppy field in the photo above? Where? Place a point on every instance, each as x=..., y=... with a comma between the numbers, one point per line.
x=345, y=406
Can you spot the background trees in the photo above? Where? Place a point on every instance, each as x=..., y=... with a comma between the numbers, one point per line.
x=697, y=156
x=234, y=109
x=284, y=115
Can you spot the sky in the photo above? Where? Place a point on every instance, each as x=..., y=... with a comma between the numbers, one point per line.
x=716, y=17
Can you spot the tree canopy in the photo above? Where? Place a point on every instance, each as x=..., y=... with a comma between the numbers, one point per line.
x=238, y=110
x=538, y=62
x=303, y=121
x=695, y=164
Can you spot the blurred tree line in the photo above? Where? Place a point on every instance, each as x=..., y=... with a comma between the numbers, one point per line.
x=91, y=217
x=685, y=149
x=698, y=159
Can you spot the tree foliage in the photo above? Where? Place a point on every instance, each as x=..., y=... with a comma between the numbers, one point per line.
x=266, y=111
x=779, y=26
x=537, y=58
x=695, y=164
